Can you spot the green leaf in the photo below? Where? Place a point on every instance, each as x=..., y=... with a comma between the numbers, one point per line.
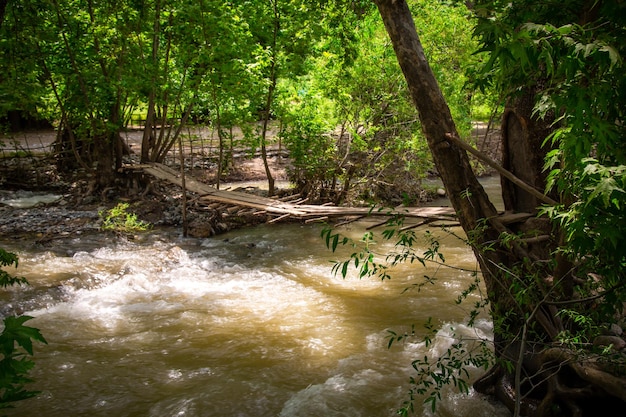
x=604, y=189
x=614, y=55
x=16, y=332
x=344, y=269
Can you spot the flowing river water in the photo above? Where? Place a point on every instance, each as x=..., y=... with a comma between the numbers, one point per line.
x=251, y=323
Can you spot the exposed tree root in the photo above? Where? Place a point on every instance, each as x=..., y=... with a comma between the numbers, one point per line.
x=564, y=385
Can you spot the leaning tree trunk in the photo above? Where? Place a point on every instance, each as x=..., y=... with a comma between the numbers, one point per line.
x=476, y=213
x=524, y=290
x=467, y=196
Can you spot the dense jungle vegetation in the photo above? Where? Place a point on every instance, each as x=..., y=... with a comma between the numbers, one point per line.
x=322, y=79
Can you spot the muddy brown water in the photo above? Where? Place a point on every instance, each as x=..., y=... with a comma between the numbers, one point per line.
x=252, y=323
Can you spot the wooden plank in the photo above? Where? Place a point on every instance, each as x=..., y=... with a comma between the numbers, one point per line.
x=290, y=198
x=213, y=197
x=277, y=219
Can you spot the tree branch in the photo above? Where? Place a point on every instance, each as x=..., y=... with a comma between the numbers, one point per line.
x=508, y=174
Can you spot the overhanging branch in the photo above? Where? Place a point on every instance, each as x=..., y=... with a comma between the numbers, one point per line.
x=508, y=174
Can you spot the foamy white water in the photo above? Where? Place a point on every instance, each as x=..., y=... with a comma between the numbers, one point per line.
x=247, y=324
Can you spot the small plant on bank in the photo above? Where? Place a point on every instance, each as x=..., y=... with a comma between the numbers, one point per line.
x=118, y=219
x=16, y=345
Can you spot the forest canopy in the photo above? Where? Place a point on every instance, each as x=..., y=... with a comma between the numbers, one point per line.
x=93, y=69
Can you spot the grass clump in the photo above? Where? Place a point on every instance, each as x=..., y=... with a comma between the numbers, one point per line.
x=118, y=219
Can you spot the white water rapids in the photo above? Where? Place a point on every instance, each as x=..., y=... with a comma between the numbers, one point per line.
x=251, y=323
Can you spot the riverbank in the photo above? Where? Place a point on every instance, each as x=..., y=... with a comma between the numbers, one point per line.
x=61, y=206
x=45, y=217
x=39, y=203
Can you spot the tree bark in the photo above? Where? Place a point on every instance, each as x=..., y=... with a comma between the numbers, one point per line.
x=148, y=140
x=273, y=77
x=476, y=213
x=523, y=135
x=522, y=293
x=467, y=196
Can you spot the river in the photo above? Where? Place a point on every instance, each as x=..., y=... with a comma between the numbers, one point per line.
x=251, y=323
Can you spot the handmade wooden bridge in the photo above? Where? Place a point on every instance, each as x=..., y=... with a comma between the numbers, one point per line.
x=292, y=207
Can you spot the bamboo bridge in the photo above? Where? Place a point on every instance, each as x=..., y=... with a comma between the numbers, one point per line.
x=292, y=207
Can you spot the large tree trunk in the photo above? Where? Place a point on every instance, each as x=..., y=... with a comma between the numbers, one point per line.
x=476, y=213
x=546, y=380
x=466, y=194
x=523, y=151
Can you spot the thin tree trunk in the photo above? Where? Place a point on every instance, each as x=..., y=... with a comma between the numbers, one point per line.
x=173, y=137
x=220, y=137
x=184, y=186
x=148, y=139
x=266, y=116
x=270, y=98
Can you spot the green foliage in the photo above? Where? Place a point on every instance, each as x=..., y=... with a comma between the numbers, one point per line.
x=593, y=220
x=315, y=168
x=573, y=55
x=585, y=327
x=92, y=66
x=365, y=258
x=6, y=279
x=16, y=345
x=448, y=369
x=432, y=372
x=118, y=219
x=373, y=104
x=445, y=32
x=379, y=136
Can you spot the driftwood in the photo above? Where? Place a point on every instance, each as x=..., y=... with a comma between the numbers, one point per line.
x=282, y=210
